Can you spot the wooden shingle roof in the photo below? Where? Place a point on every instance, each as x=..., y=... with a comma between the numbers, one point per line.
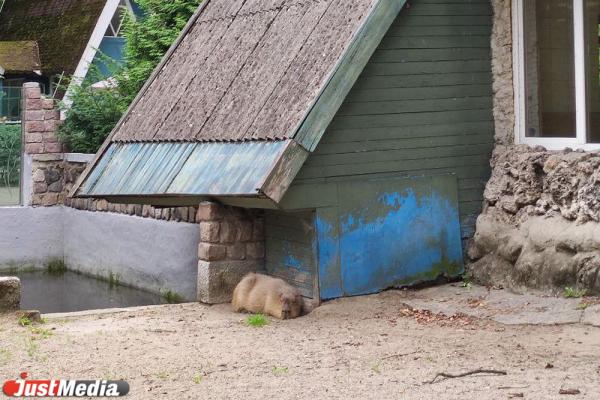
x=19, y=57
x=246, y=70
x=239, y=102
x=62, y=29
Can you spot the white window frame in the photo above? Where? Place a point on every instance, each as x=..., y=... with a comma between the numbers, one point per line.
x=519, y=76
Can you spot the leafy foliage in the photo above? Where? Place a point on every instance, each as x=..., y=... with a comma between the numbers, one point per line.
x=149, y=38
x=94, y=112
x=10, y=154
x=91, y=118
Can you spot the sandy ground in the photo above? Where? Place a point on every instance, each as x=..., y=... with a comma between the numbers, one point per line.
x=370, y=347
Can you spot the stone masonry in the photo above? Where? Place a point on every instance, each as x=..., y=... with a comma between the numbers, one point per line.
x=540, y=227
x=10, y=294
x=53, y=175
x=40, y=123
x=231, y=245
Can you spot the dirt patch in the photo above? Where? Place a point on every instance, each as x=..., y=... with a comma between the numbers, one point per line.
x=351, y=348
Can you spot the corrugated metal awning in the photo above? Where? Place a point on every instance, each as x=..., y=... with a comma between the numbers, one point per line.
x=193, y=169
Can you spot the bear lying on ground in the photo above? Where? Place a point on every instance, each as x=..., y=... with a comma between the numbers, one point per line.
x=258, y=293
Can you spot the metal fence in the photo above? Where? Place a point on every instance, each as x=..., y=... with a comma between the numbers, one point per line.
x=10, y=103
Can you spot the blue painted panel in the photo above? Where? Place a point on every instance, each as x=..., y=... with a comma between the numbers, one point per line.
x=328, y=256
x=400, y=231
x=388, y=232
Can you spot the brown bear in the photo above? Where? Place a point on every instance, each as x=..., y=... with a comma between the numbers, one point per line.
x=258, y=293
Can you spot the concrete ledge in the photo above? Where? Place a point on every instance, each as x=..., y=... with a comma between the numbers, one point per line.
x=81, y=158
x=217, y=279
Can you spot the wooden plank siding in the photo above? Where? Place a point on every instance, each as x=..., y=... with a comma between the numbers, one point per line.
x=422, y=106
x=290, y=253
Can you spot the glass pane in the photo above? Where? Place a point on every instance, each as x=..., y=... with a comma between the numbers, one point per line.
x=10, y=144
x=549, y=68
x=592, y=46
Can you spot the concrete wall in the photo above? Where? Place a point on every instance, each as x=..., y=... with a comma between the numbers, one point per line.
x=145, y=253
x=30, y=237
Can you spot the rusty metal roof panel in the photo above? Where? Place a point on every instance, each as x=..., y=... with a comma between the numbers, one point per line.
x=184, y=169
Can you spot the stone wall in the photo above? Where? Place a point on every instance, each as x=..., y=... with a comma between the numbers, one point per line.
x=40, y=122
x=541, y=224
x=540, y=227
x=231, y=245
x=54, y=172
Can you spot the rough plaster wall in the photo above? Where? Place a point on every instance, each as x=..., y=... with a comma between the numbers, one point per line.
x=504, y=112
x=541, y=223
x=540, y=227
x=29, y=237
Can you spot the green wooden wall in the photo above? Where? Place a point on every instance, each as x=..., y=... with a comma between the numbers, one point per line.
x=422, y=106
x=289, y=241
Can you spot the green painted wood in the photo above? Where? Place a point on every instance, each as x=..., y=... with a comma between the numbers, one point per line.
x=450, y=10
x=421, y=106
x=415, y=131
x=348, y=70
x=415, y=106
x=438, y=67
x=431, y=55
x=436, y=20
x=289, y=240
x=444, y=30
x=441, y=42
x=427, y=93
x=403, y=144
x=414, y=119
x=424, y=80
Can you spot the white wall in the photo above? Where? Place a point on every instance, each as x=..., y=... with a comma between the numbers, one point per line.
x=145, y=253
x=30, y=237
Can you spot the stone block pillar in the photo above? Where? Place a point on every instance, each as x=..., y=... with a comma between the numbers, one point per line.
x=232, y=243
x=42, y=149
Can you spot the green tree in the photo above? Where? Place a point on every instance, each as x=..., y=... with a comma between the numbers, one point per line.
x=149, y=38
x=94, y=113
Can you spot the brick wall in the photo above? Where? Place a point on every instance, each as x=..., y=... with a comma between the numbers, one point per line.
x=41, y=120
x=232, y=243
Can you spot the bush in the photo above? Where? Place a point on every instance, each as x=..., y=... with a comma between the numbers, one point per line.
x=10, y=154
x=94, y=113
x=92, y=116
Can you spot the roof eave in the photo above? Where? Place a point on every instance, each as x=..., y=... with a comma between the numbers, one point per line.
x=346, y=73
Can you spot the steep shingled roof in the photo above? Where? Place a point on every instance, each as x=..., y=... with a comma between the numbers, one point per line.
x=246, y=70
x=19, y=57
x=239, y=101
x=62, y=29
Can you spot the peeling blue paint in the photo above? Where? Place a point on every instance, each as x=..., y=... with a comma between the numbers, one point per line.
x=396, y=231
x=330, y=285
x=410, y=237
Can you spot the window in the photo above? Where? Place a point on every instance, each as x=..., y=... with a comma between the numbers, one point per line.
x=557, y=72
x=116, y=23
